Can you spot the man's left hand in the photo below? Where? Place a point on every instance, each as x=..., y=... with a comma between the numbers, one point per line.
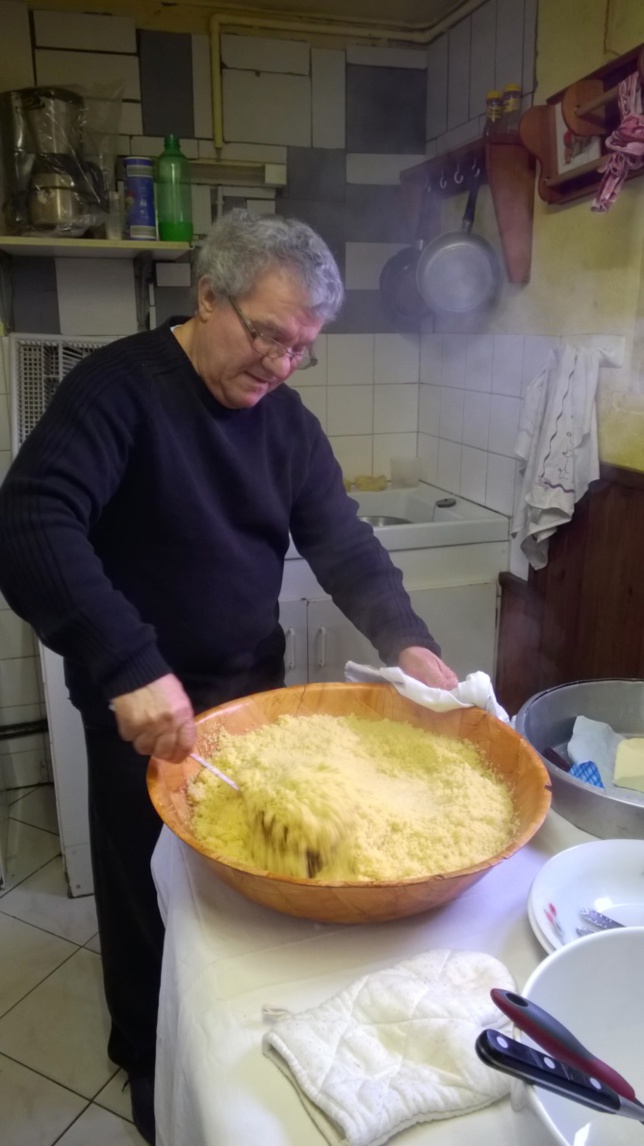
x=425, y=666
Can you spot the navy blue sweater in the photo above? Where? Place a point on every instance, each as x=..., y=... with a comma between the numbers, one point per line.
x=143, y=526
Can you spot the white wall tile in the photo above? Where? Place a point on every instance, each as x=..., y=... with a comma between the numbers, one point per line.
x=396, y=358
x=78, y=30
x=96, y=296
x=354, y=454
x=383, y=170
x=483, y=22
x=350, y=359
x=5, y=462
x=266, y=54
x=387, y=57
x=504, y=424
x=130, y=119
x=453, y=360
x=328, y=98
x=457, y=136
x=238, y=191
x=19, y=681
x=437, y=87
x=350, y=410
x=395, y=409
x=476, y=420
x=458, y=75
x=448, y=475
x=473, y=474
x=509, y=42
x=364, y=262
x=452, y=406
x=507, y=373
x=429, y=410
x=499, y=492
x=315, y=400
x=152, y=145
x=19, y=714
x=202, y=86
x=16, y=61
x=267, y=108
x=89, y=70
x=16, y=637
x=430, y=358
x=388, y=446
x=428, y=454
x=536, y=348
x=478, y=364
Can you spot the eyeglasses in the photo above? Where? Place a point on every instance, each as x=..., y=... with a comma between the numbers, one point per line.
x=300, y=359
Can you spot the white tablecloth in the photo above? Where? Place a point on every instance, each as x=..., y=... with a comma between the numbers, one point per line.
x=226, y=957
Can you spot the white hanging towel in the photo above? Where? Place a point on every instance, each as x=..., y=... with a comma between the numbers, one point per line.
x=556, y=446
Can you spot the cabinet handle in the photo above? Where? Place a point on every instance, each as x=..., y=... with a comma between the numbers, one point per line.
x=321, y=661
x=290, y=656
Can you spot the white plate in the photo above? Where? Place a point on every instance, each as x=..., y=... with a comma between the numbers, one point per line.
x=606, y=875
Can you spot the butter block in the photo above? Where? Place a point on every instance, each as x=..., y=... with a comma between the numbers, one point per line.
x=629, y=764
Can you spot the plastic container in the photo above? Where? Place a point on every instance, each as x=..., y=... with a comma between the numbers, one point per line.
x=511, y=108
x=493, y=111
x=173, y=193
x=140, y=220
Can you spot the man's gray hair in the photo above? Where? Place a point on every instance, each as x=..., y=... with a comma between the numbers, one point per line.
x=241, y=246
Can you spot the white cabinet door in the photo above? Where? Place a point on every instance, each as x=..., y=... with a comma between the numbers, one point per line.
x=293, y=622
x=333, y=641
x=462, y=618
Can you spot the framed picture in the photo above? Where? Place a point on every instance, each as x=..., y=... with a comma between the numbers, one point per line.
x=573, y=151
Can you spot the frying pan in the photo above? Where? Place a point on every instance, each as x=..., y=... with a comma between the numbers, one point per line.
x=459, y=273
x=398, y=286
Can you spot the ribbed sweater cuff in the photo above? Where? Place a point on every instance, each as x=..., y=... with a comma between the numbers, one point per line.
x=148, y=665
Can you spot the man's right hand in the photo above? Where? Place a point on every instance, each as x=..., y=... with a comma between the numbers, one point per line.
x=157, y=720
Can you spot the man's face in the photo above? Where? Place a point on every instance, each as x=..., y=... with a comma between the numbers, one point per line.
x=222, y=350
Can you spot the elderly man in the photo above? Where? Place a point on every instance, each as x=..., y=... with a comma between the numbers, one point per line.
x=143, y=529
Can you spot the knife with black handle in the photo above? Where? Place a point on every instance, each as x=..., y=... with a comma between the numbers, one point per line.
x=511, y=1057
x=557, y=1040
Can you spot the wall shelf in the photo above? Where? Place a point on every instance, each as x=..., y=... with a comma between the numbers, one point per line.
x=43, y=247
x=507, y=166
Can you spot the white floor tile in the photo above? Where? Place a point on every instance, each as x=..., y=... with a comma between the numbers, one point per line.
x=43, y=901
x=116, y=1096
x=27, y=956
x=94, y=944
x=101, y=1128
x=35, y=1111
x=28, y=850
x=37, y=808
x=15, y=794
x=61, y=1028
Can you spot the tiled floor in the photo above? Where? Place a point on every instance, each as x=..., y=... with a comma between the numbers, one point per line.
x=57, y=1084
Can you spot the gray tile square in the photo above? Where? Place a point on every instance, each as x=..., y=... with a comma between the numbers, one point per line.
x=363, y=313
x=35, y=297
x=316, y=173
x=166, y=83
x=172, y=301
x=376, y=214
x=386, y=110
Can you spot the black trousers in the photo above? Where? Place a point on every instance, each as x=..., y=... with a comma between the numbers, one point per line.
x=124, y=829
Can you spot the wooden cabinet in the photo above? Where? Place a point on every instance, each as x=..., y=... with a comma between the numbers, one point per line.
x=582, y=617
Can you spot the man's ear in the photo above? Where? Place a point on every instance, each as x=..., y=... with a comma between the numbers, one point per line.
x=206, y=299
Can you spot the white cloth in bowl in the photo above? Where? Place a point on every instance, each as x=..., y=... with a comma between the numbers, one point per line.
x=396, y=1047
x=474, y=692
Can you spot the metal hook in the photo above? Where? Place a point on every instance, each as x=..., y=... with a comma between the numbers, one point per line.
x=442, y=183
x=476, y=168
x=458, y=178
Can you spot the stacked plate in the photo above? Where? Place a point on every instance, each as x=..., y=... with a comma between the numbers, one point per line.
x=605, y=876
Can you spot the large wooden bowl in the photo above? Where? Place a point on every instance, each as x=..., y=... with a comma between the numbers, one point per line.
x=514, y=760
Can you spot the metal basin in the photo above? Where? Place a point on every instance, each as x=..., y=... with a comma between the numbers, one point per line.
x=546, y=721
x=380, y=519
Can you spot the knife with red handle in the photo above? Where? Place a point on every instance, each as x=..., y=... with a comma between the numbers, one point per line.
x=557, y=1040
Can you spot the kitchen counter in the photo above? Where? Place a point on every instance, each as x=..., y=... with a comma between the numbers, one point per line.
x=226, y=957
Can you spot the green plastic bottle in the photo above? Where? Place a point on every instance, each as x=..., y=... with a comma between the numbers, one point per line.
x=173, y=194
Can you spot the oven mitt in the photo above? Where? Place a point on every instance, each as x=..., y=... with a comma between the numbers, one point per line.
x=396, y=1047
x=474, y=692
